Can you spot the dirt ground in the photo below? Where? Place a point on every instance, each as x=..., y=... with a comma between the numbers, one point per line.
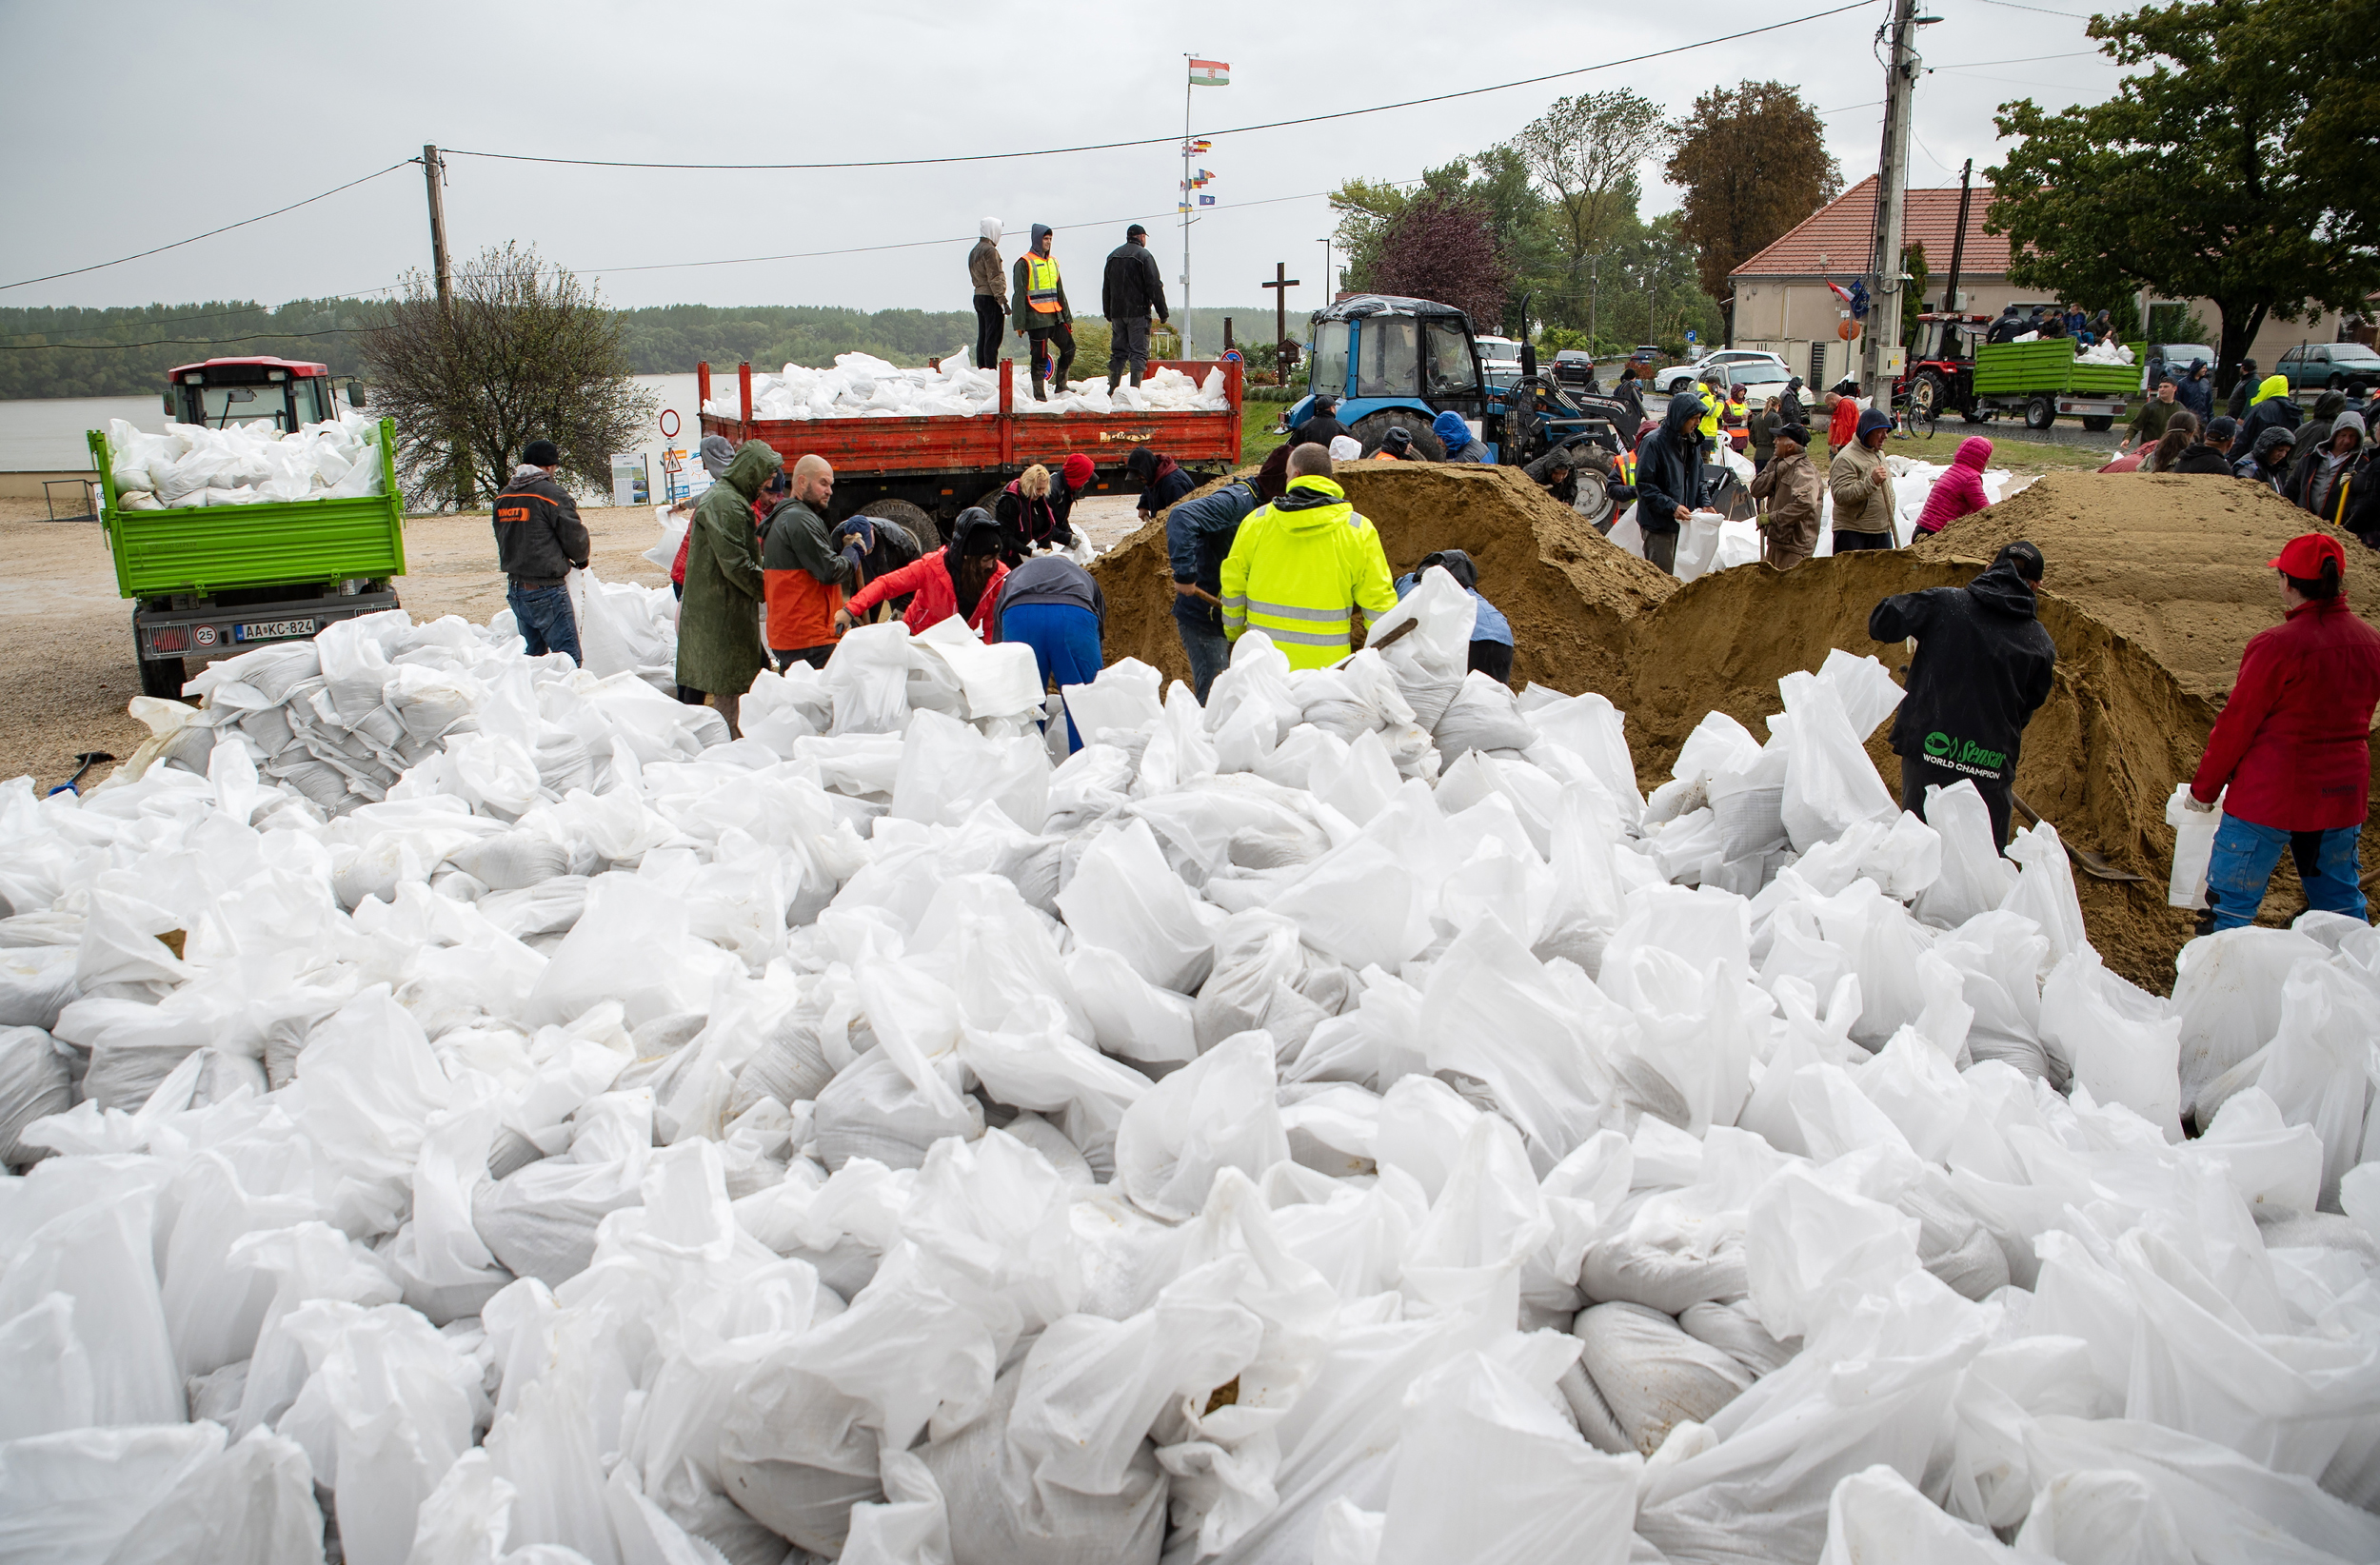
x=66, y=638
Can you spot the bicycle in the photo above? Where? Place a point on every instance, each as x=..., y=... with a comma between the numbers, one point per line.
x=1913, y=422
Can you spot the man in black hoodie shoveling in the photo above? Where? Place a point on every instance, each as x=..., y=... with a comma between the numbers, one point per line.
x=1982, y=669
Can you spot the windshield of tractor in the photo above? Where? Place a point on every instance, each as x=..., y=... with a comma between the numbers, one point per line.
x=227, y=406
x=1450, y=361
x=1330, y=360
x=1391, y=352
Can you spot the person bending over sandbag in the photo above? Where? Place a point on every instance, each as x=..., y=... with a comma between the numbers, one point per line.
x=1199, y=533
x=1982, y=669
x=1302, y=565
x=719, y=623
x=1052, y=605
x=2294, y=746
x=964, y=575
x=1491, y=633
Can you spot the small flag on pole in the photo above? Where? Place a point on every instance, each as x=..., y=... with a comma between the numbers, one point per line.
x=1182, y=206
x=1210, y=74
x=1207, y=200
x=1200, y=145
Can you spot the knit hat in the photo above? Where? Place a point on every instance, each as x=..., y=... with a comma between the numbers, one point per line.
x=1398, y=440
x=1078, y=470
x=1345, y=447
x=543, y=453
x=717, y=452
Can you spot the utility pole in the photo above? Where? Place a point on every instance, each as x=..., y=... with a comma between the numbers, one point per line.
x=442, y=265
x=1280, y=285
x=1594, y=289
x=1892, y=202
x=1958, y=240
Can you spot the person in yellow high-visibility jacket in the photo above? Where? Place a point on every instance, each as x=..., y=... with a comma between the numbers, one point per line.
x=1712, y=404
x=1039, y=310
x=1301, y=567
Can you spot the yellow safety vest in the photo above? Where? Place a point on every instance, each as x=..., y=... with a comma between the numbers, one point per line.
x=1297, y=570
x=1710, y=412
x=1041, y=279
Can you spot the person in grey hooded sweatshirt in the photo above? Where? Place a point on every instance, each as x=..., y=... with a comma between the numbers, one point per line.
x=991, y=295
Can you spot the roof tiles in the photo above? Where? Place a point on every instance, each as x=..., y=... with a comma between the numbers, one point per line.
x=1835, y=240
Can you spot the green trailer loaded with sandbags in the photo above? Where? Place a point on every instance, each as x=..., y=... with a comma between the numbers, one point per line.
x=2044, y=380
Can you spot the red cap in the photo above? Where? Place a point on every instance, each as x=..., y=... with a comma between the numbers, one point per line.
x=1078, y=470
x=2303, y=556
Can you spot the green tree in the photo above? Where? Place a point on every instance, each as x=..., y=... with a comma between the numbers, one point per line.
x=1584, y=151
x=1753, y=162
x=1919, y=274
x=2221, y=172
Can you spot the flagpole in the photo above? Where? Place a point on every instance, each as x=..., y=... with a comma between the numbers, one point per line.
x=1186, y=203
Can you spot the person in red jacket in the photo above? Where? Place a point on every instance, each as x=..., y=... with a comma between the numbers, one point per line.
x=964, y=571
x=2294, y=745
x=1843, y=416
x=1960, y=491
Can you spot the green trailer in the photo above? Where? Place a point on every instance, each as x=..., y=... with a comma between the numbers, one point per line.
x=1951, y=371
x=210, y=580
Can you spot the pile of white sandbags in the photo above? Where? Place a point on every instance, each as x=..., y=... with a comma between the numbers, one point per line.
x=244, y=464
x=2108, y=352
x=1345, y=1123
x=862, y=386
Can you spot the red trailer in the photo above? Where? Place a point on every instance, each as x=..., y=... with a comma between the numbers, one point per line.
x=922, y=472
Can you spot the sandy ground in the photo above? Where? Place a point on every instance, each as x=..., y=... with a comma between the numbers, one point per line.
x=66, y=638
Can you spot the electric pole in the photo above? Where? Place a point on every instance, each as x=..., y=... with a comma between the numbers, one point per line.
x=435, y=174
x=1892, y=200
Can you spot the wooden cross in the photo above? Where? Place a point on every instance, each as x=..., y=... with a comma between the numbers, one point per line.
x=1280, y=284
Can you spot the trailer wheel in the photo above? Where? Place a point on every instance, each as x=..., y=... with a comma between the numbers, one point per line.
x=914, y=518
x=1375, y=428
x=1594, y=504
x=2040, y=412
x=2098, y=424
x=163, y=677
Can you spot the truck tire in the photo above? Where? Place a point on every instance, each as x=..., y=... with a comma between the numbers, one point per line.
x=914, y=518
x=163, y=677
x=2040, y=412
x=1374, y=430
x=2098, y=424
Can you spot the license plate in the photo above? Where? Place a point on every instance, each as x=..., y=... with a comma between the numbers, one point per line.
x=274, y=630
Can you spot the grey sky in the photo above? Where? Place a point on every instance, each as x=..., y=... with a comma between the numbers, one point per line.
x=154, y=122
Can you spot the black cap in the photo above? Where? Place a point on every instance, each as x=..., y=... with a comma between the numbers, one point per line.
x=2026, y=558
x=543, y=453
x=2223, y=428
x=1398, y=438
x=1136, y=231
x=1799, y=434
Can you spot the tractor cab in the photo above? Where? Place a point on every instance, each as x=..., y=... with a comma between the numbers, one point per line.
x=1395, y=362
x=281, y=394
x=1947, y=338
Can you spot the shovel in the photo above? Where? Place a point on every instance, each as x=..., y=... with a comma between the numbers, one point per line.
x=2092, y=865
x=89, y=760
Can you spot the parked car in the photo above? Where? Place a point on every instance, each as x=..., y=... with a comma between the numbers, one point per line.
x=1499, y=359
x=1573, y=366
x=2320, y=366
x=1646, y=353
x=2173, y=359
x=1678, y=377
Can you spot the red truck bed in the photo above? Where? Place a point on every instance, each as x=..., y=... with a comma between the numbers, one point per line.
x=945, y=465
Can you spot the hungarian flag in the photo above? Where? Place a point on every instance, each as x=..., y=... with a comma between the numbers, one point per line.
x=1210, y=74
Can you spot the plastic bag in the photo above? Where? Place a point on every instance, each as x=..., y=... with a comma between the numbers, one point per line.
x=1830, y=782
x=2228, y=990
x=37, y=982
x=1651, y=1374
x=35, y=1082
x=2123, y=1042
x=1217, y=1112
x=1125, y=896
x=2194, y=848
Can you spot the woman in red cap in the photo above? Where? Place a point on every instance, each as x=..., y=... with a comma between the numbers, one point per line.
x=2294, y=745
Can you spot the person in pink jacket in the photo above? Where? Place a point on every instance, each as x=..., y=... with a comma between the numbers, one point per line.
x=1958, y=492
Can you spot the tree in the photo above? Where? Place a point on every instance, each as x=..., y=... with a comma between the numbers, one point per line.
x=2208, y=177
x=1914, y=267
x=523, y=351
x=1752, y=162
x=1442, y=247
x=1585, y=151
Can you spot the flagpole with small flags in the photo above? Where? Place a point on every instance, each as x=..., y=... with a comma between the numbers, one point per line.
x=1200, y=74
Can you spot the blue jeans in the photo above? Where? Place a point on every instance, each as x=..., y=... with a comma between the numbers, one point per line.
x=2246, y=853
x=1203, y=638
x=1066, y=643
x=545, y=620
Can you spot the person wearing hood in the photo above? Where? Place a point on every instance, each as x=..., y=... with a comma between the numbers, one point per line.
x=962, y=577
x=1029, y=513
x=2267, y=459
x=2211, y=454
x=1129, y=290
x=716, y=453
x=1162, y=481
x=1342, y=448
x=1039, y=310
x=1462, y=444
x=1321, y=425
x=1302, y=566
x=1863, y=486
x=1052, y=605
x=1491, y=633
x=1397, y=445
x=719, y=623
x=1670, y=483
x=540, y=541
x=1272, y=478
x=1628, y=390
x=1789, y=405
x=1982, y=668
x=1792, y=499
x=2271, y=407
x=2313, y=441
x=803, y=570
x=1557, y=473
x=2326, y=474
x=2294, y=747
x=2196, y=392
x=991, y=294
x=1198, y=536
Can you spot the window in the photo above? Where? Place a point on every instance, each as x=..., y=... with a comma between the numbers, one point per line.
x=1451, y=369
x=1389, y=357
x=1328, y=376
x=314, y=401
x=225, y=405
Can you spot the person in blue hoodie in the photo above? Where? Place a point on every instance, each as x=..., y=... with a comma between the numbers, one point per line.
x=1198, y=535
x=1455, y=436
x=1491, y=633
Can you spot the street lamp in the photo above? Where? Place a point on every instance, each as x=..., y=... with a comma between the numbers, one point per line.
x=1330, y=290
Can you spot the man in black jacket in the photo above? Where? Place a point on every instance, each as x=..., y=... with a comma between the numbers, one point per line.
x=1982, y=669
x=539, y=541
x=1132, y=289
x=1670, y=484
x=2211, y=452
x=1321, y=425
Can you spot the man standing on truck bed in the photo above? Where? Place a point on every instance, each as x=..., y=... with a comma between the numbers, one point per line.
x=983, y=271
x=1130, y=290
x=539, y=541
x=1037, y=308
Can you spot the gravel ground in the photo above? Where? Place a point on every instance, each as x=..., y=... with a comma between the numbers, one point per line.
x=66, y=638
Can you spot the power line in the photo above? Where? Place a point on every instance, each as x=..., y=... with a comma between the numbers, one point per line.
x=1163, y=141
x=212, y=232
x=2012, y=5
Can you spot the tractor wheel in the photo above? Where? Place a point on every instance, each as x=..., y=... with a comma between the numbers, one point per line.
x=1926, y=396
x=2098, y=424
x=2040, y=412
x=912, y=517
x=1374, y=428
x=1594, y=502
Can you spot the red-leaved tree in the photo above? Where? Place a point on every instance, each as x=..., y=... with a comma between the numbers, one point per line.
x=1442, y=247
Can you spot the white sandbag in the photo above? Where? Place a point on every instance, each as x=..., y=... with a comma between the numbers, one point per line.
x=2228, y=991
x=2124, y=1044
x=37, y=982
x=1014, y=1512
x=873, y=1110
x=1124, y=896
x=35, y=1082
x=1652, y=1375
x=1217, y=1112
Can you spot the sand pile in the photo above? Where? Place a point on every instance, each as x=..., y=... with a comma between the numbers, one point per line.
x=1570, y=594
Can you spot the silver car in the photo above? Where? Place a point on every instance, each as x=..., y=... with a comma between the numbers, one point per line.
x=1678, y=377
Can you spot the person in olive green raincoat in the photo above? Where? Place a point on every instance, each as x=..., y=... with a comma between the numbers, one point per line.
x=719, y=623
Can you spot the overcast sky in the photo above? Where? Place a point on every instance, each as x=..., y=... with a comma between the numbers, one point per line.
x=150, y=122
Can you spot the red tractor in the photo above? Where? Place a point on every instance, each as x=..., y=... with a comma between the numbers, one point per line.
x=1940, y=377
